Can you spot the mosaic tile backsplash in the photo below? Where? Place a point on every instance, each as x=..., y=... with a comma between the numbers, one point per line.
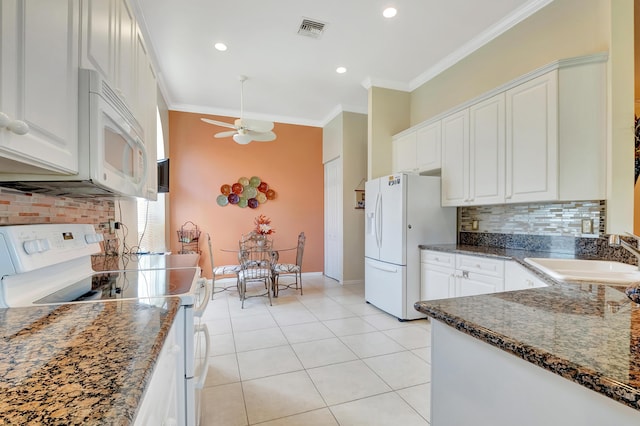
x=550, y=219
x=549, y=227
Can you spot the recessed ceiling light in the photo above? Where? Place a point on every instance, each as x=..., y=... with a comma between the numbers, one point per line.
x=220, y=46
x=341, y=70
x=389, y=12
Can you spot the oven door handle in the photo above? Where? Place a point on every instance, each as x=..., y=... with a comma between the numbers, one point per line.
x=199, y=310
x=199, y=380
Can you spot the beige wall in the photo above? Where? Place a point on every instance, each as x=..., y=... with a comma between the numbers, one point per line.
x=563, y=29
x=332, y=139
x=354, y=149
x=389, y=112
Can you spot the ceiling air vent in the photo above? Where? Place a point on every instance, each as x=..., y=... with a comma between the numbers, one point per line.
x=311, y=28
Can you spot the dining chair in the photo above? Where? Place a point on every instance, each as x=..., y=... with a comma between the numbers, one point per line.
x=220, y=270
x=255, y=266
x=293, y=269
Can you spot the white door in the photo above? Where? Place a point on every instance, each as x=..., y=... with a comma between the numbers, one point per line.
x=392, y=215
x=332, y=219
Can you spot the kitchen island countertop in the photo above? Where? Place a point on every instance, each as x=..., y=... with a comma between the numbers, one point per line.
x=586, y=332
x=81, y=363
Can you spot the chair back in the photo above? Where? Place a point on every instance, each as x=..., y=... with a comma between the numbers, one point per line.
x=300, y=251
x=255, y=263
x=253, y=240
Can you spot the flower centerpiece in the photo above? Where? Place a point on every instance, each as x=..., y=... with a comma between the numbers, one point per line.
x=263, y=225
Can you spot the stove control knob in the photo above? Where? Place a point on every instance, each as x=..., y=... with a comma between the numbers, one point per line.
x=36, y=246
x=93, y=238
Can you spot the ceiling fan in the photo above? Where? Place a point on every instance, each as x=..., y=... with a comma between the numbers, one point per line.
x=245, y=130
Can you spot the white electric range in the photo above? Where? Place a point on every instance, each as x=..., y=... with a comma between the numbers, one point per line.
x=51, y=264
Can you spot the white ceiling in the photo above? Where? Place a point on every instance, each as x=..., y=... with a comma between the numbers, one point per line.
x=292, y=78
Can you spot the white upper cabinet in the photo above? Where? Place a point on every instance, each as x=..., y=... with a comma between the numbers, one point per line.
x=125, y=78
x=39, y=86
x=487, y=151
x=98, y=51
x=455, y=159
x=532, y=140
x=145, y=108
x=418, y=151
x=109, y=41
x=404, y=154
x=428, y=145
x=473, y=154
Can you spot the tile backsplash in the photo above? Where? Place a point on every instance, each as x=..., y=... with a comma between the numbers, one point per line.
x=18, y=208
x=550, y=219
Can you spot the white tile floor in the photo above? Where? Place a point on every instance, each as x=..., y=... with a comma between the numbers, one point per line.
x=324, y=358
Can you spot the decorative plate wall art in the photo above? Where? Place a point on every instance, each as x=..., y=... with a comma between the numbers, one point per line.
x=245, y=193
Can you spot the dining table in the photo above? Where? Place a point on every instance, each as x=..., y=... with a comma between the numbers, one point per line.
x=275, y=254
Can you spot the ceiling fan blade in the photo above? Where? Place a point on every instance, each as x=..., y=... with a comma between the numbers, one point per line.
x=218, y=123
x=261, y=136
x=225, y=134
x=255, y=125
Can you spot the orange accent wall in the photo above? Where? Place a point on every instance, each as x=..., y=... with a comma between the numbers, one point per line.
x=291, y=165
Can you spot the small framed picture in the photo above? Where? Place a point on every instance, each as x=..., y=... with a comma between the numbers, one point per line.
x=359, y=198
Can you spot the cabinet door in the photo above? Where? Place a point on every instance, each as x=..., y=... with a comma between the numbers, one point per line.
x=99, y=37
x=532, y=140
x=428, y=155
x=145, y=112
x=39, y=85
x=472, y=284
x=517, y=277
x=404, y=154
x=125, y=53
x=487, y=151
x=455, y=159
x=436, y=282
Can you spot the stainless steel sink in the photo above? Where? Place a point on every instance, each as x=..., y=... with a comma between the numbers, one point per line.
x=587, y=270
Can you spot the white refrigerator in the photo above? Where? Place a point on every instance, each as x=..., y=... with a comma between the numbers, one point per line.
x=402, y=211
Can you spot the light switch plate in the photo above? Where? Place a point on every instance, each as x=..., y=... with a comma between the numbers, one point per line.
x=587, y=226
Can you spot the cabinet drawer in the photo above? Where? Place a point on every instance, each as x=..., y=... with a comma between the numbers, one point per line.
x=438, y=258
x=481, y=265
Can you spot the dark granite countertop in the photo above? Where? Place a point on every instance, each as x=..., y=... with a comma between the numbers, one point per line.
x=82, y=363
x=586, y=332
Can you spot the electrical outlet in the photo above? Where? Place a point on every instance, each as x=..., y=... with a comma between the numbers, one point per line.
x=587, y=226
x=475, y=225
x=112, y=226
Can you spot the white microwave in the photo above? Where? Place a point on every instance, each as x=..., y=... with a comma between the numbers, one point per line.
x=112, y=160
x=116, y=144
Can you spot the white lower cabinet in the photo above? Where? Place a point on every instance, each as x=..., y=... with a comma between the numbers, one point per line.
x=437, y=275
x=519, y=278
x=161, y=403
x=445, y=275
x=478, y=275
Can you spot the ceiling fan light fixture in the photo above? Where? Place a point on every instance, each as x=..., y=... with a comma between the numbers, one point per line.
x=242, y=139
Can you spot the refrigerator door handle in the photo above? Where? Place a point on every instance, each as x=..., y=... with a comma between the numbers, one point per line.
x=384, y=268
